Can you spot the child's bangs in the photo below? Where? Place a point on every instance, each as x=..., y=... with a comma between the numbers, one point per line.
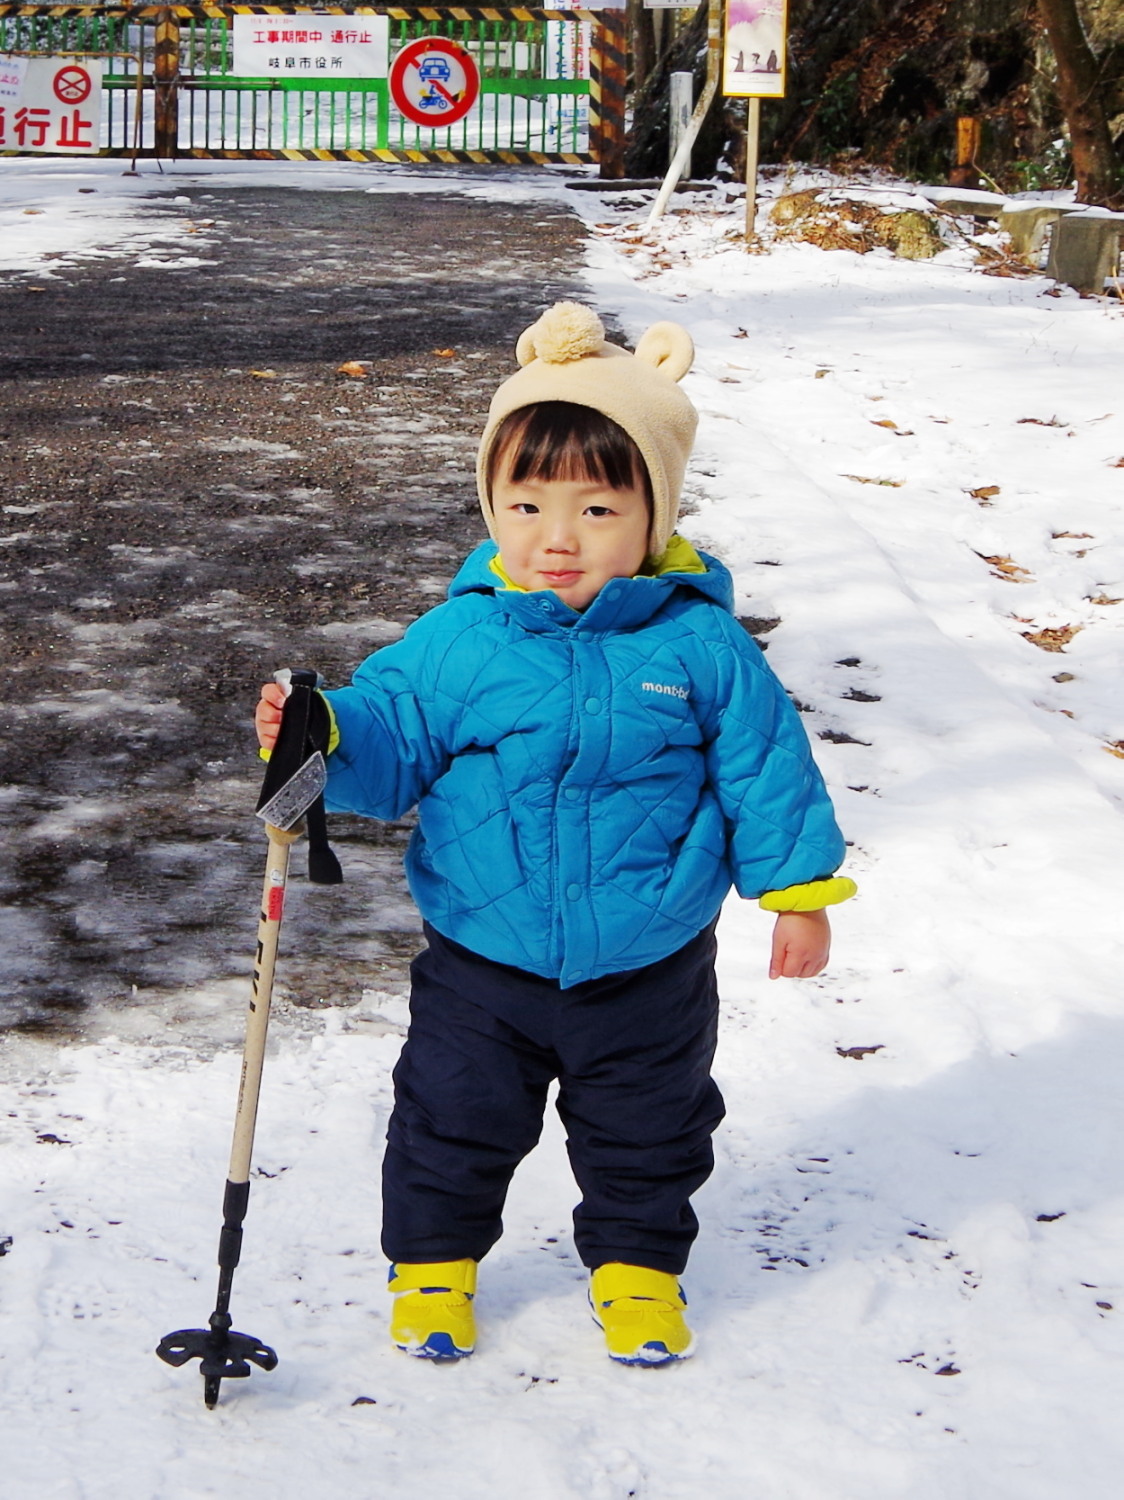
x=561, y=440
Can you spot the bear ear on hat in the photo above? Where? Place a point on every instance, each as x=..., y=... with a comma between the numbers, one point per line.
x=668, y=347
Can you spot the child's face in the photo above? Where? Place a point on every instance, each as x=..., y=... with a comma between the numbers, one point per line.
x=569, y=535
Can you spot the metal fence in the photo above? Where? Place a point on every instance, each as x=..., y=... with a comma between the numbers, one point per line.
x=193, y=103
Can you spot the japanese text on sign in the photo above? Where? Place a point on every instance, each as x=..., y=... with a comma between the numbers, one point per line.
x=321, y=47
x=51, y=104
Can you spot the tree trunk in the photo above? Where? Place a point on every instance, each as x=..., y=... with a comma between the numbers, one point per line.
x=641, y=24
x=1095, y=164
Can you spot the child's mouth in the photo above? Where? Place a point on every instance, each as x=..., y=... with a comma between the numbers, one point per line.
x=560, y=580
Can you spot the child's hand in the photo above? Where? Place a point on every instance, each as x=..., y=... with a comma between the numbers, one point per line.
x=267, y=716
x=801, y=944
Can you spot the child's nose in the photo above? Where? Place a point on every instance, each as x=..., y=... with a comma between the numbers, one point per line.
x=560, y=536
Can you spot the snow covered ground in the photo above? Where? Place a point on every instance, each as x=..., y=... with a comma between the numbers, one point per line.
x=909, y=1277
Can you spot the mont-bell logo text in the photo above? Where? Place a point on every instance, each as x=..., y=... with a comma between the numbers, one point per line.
x=669, y=688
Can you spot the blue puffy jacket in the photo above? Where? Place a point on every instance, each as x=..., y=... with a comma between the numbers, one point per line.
x=588, y=785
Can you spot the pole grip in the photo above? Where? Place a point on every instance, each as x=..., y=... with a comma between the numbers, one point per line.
x=235, y=1199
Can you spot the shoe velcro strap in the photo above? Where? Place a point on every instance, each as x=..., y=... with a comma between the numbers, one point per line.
x=614, y=1281
x=443, y=1276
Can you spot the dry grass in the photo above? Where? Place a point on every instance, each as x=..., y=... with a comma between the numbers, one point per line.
x=854, y=225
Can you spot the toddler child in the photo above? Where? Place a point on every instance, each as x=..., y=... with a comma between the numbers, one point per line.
x=597, y=750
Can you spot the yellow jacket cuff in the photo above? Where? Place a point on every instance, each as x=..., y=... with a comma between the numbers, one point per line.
x=811, y=897
x=333, y=733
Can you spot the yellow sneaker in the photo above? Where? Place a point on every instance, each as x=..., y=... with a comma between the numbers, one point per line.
x=433, y=1316
x=641, y=1313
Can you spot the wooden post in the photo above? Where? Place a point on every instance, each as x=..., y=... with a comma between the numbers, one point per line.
x=752, y=146
x=964, y=172
x=165, y=79
x=608, y=67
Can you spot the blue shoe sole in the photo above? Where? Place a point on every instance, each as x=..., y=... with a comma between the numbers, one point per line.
x=437, y=1346
x=660, y=1355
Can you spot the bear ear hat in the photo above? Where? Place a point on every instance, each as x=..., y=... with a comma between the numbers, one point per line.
x=568, y=332
x=564, y=356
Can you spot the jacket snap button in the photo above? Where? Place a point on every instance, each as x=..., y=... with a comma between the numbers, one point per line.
x=573, y=793
x=593, y=705
x=573, y=892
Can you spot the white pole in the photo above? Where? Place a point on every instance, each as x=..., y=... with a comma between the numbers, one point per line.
x=694, y=125
x=679, y=113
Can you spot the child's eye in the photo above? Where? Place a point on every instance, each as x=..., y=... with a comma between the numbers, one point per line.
x=525, y=508
x=599, y=510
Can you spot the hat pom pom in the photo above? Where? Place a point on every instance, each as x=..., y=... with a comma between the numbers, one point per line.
x=566, y=332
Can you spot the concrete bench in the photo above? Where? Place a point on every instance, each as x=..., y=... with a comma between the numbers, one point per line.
x=1027, y=224
x=1085, y=249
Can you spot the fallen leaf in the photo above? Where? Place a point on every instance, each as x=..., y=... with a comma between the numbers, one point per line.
x=1052, y=638
x=894, y=484
x=445, y=353
x=264, y=374
x=743, y=334
x=36, y=289
x=884, y=422
x=821, y=373
x=984, y=493
x=1102, y=599
x=859, y=1052
x=1076, y=536
x=1116, y=747
x=1004, y=568
x=355, y=368
x=1119, y=464
x=1038, y=422
x=33, y=210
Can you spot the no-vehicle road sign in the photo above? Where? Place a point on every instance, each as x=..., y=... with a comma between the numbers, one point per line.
x=434, y=81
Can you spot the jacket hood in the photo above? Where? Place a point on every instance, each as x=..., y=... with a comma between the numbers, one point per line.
x=622, y=602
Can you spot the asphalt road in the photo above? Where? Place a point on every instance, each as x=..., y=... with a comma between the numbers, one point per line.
x=177, y=526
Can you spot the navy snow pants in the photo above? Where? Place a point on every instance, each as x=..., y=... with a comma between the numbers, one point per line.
x=632, y=1054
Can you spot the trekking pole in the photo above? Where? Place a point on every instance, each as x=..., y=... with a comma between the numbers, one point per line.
x=294, y=785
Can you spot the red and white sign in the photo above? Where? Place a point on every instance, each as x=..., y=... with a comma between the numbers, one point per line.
x=310, y=46
x=51, y=104
x=434, y=81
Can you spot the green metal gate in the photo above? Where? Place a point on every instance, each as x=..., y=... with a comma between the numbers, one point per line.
x=192, y=103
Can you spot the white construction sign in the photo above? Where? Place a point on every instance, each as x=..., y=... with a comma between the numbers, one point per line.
x=311, y=46
x=51, y=104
